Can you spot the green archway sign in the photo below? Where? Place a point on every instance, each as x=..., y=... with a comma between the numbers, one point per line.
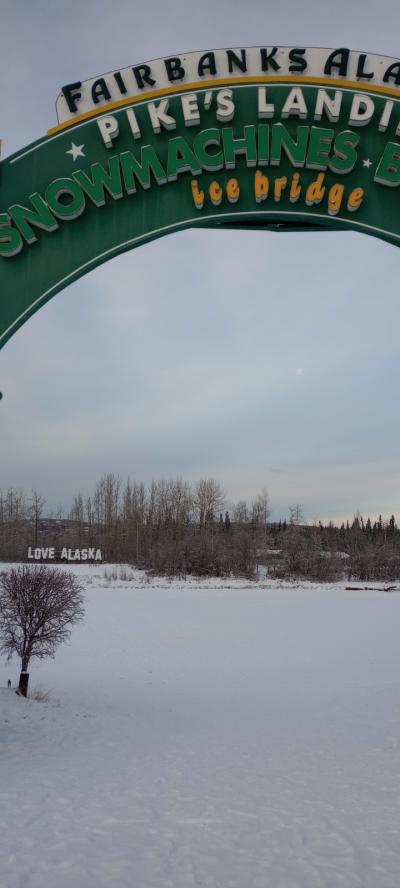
x=267, y=137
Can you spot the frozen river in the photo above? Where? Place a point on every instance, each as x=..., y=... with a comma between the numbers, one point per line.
x=217, y=735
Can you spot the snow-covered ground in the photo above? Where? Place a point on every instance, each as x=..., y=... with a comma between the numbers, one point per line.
x=217, y=735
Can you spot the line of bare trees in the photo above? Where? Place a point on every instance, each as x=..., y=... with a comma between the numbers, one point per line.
x=175, y=528
x=20, y=517
x=171, y=527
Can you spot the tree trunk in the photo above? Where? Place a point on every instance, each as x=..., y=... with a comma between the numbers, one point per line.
x=23, y=683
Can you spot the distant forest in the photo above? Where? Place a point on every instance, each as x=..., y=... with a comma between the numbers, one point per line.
x=174, y=528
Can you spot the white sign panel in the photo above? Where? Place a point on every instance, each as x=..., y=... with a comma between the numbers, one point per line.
x=197, y=69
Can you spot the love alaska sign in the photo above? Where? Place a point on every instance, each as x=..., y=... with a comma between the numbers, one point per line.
x=267, y=137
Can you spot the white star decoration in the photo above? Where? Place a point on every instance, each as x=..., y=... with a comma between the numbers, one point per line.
x=76, y=151
x=367, y=163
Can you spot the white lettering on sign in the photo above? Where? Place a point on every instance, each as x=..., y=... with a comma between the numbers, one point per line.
x=50, y=554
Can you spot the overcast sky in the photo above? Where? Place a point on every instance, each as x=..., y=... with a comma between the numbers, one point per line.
x=265, y=360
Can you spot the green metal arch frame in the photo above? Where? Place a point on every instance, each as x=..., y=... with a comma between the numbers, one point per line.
x=55, y=258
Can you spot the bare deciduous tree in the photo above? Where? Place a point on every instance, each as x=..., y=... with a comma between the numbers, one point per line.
x=296, y=514
x=36, y=509
x=208, y=499
x=38, y=606
x=260, y=510
x=241, y=512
